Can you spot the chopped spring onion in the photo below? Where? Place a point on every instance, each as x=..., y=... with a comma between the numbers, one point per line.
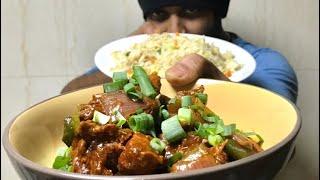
x=165, y=114
x=157, y=145
x=121, y=122
x=219, y=121
x=71, y=125
x=135, y=95
x=214, y=140
x=119, y=76
x=100, y=118
x=160, y=111
x=228, y=130
x=129, y=88
x=201, y=131
x=186, y=101
x=203, y=97
x=184, y=116
x=204, y=130
x=172, y=130
x=174, y=158
x=142, y=123
x=115, y=109
x=63, y=159
x=113, y=86
x=144, y=82
x=133, y=81
x=62, y=151
x=212, y=118
x=220, y=129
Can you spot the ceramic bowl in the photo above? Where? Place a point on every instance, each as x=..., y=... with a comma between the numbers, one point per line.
x=32, y=138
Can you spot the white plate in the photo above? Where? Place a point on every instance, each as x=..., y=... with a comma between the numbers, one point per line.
x=105, y=62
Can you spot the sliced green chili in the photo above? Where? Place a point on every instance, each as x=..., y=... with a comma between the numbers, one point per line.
x=157, y=145
x=71, y=125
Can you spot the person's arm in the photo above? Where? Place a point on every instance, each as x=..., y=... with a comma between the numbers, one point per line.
x=274, y=73
x=190, y=69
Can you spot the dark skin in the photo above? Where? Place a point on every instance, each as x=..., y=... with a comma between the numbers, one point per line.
x=171, y=19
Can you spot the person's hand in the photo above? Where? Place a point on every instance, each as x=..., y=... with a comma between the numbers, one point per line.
x=147, y=28
x=190, y=69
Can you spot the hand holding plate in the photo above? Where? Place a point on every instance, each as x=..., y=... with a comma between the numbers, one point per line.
x=191, y=68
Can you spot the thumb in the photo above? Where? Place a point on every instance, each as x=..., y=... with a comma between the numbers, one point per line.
x=186, y=71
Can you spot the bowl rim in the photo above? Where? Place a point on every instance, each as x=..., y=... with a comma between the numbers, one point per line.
x=12, y=153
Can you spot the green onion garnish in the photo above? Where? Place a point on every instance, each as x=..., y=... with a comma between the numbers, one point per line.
x=133, y=81
x=119, y=76
x=113, y=86
x=63, y=159
x=214, y=140
x=212, y=118
x=63, y=151
x=160, y=111
x=157, y=145
x=142, y=123
x=165, y=114
x=228, y=130
x=219, y=128
x=186, y=101
x=100, y=118
x=201, y=131
x=144, y=82
x=174, y=158
x=172, y=129
x=135, y=95
x=204, y=130
x=129, y=88
x=184, y=116
x=121, y=122
x=203, y=97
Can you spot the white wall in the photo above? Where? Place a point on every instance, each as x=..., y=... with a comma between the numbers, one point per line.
x=46, y=43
